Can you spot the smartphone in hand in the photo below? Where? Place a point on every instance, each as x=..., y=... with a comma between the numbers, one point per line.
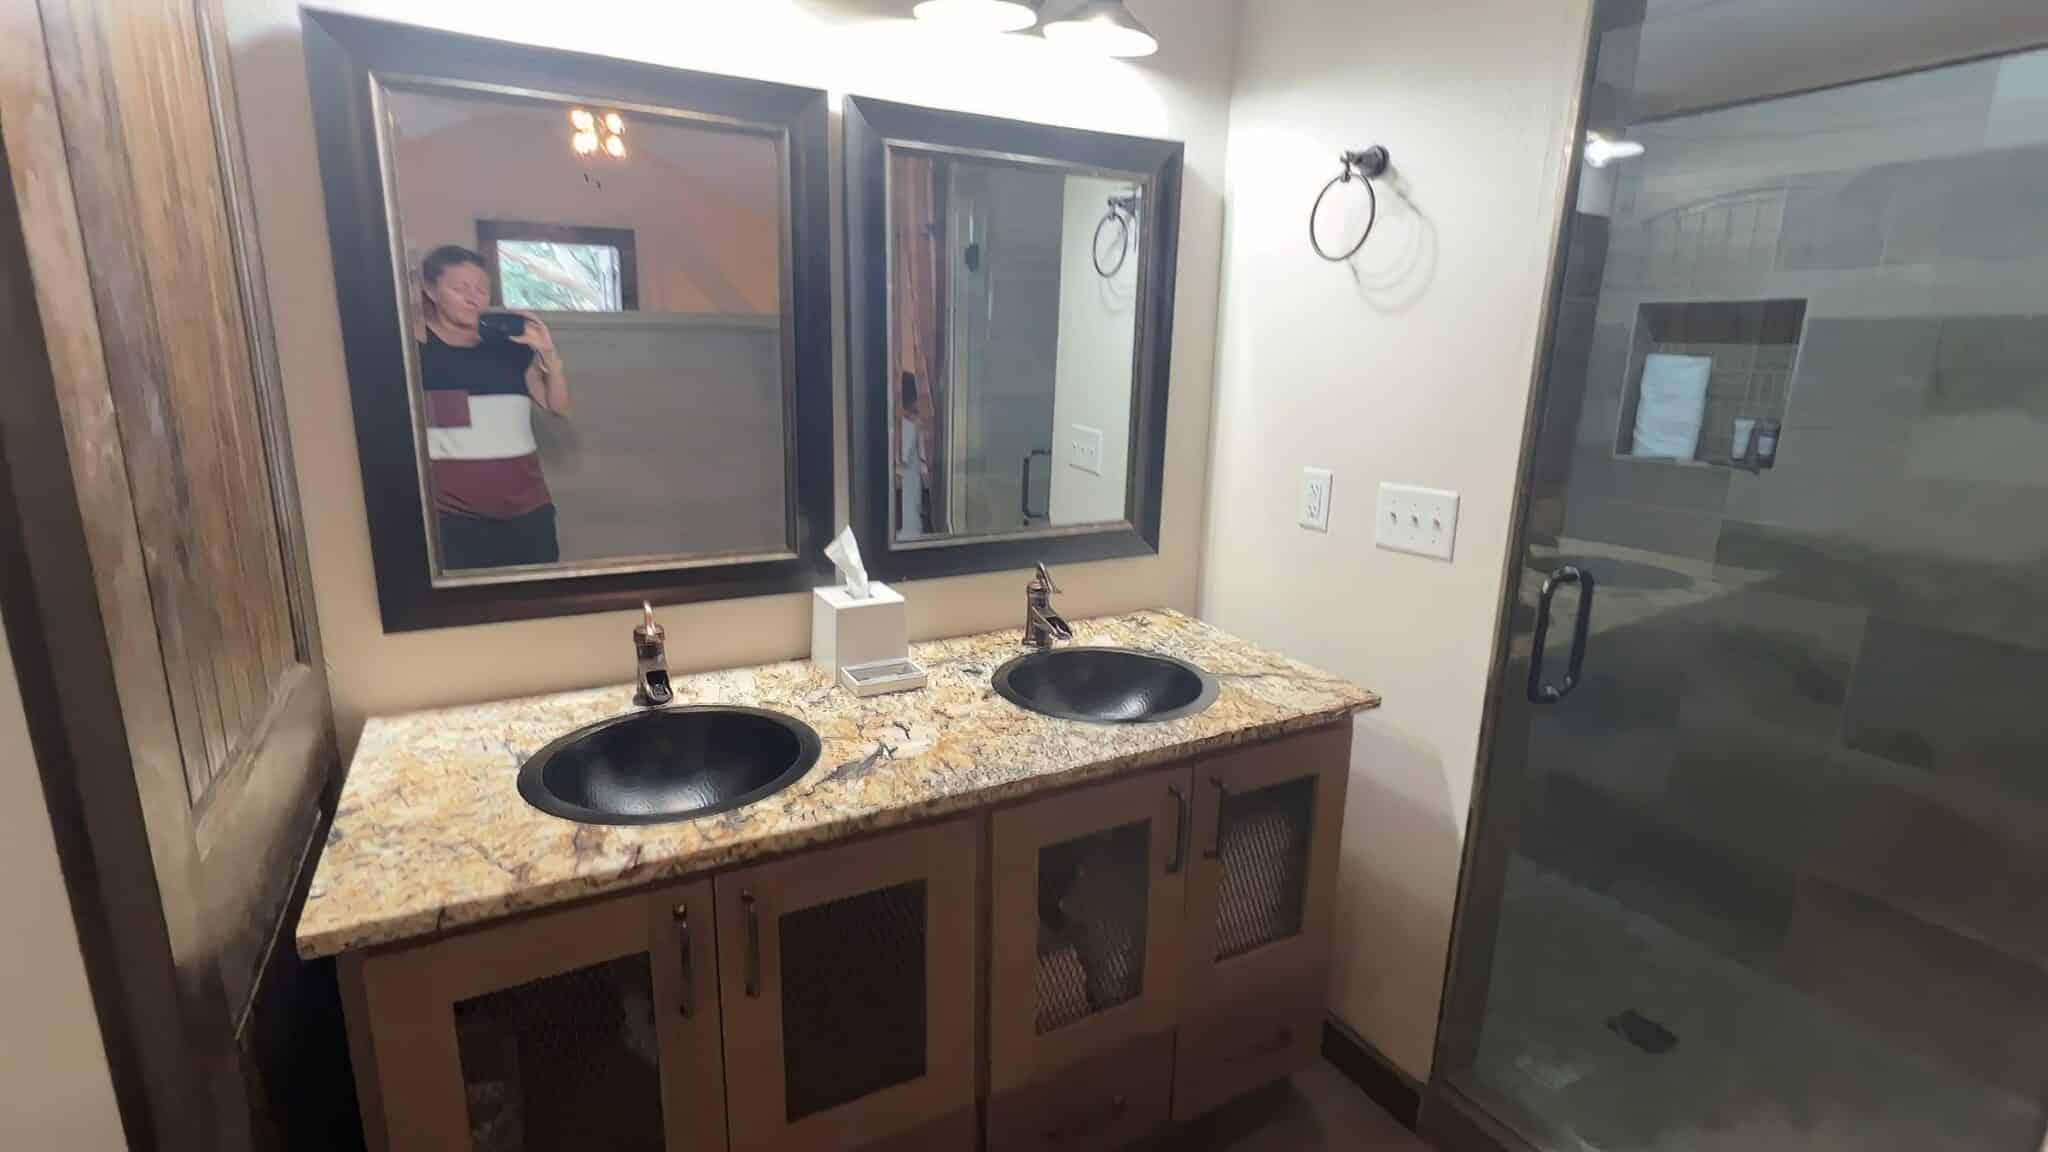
x=501, y=325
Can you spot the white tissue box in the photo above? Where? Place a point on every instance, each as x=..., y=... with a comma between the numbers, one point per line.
x=845, y=631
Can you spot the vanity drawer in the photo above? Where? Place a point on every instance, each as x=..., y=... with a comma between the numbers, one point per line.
x=1226, y=1048
x=1105, y=1101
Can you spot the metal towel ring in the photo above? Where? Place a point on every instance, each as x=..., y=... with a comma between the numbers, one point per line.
x=1364, y=167
x=1121, y=210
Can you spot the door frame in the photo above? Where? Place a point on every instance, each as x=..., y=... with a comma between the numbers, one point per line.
x=135, y=853
x=1450, y=1118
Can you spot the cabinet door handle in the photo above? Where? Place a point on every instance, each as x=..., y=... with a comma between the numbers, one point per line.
x=687, y=1002
x=751, y=976
x=1215, y=849
x=1084, y=1125
x=1180, y=829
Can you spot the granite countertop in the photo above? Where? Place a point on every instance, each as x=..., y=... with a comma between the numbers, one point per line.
x=431, y=833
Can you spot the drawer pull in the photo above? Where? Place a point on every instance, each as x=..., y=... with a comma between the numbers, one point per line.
x=687, y=1001
x=1180, y=829
x=1081, y=1127
x=751, y=975
x=1215, y=849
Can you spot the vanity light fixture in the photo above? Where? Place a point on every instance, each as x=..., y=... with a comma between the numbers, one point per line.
x=1104, y=27
x=979, y=15
x=592, y=136
x=1601, y=151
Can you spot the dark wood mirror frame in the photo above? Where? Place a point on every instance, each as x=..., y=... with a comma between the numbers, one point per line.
x=872, y=127
x=343, y=54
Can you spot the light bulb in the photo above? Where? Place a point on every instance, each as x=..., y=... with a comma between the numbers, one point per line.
x=615, y=147
x=979, y=15
x=1104, y=28
x=613, y=123
x=582, y=119
x=585, y=143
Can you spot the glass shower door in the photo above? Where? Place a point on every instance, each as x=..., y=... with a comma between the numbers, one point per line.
x=1761, y=855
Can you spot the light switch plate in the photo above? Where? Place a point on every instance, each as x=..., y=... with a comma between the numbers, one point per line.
x=1315, y=498
x=1085, y=448
x=1423, y=521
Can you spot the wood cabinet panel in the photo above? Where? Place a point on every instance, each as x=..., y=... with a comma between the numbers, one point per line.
x=1260, y=911
x=847, y=977
x=1107, y=1100
x=1086, y=894
x=588, y=1021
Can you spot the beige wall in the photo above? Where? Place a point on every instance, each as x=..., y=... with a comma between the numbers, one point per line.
x=701, y=205
x=55, y=1091
x=1412, y=366
x=867, y=48
x=1098, y=335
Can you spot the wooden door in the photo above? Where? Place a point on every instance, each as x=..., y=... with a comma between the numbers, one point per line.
x=593, y=1027
x=1262, y=888
x=187, y=724
x=1085, y=910
x=848, y=982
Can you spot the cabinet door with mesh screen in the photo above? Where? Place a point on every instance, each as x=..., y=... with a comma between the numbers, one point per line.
x=1261, y=887
x=1086, y=890
x=848, y=980
x=594, y=1027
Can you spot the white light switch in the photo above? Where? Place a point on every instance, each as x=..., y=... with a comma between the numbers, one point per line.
x=1423, y=521
x=1315, y=498
x=1085, y=448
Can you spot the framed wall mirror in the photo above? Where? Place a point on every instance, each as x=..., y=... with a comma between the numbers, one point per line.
x=1009, y=334
x=586, y=311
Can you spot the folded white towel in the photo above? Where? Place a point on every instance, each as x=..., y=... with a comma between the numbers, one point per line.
x=1671, y=405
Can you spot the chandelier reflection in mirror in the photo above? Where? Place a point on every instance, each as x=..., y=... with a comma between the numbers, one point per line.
x=594, y=135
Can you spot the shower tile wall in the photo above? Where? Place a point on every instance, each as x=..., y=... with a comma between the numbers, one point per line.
x=1834, y=762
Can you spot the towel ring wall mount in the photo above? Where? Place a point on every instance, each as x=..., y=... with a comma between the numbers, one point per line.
x=1364, y=167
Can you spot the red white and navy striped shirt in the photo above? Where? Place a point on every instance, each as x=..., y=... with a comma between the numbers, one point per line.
x=481, y=454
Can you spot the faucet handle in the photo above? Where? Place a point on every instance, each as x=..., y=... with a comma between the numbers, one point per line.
x=1045, y=578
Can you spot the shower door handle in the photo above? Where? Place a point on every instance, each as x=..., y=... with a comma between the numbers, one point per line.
x=1025, y=495
x=1539, y=692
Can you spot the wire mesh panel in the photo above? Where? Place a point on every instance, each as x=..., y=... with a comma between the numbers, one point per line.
x=567, y=1062
x=853, y=997
x=1262, y=880
x=1092, y=902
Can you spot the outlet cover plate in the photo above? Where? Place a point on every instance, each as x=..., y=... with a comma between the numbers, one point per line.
x=1315, y=498
x=1422, y=521
x=1085, y=448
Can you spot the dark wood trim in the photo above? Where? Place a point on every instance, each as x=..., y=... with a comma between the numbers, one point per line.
x=870, y=126
x=1452, y=1122
x=1375, y=1075
x=342, y=54
x=490, y=232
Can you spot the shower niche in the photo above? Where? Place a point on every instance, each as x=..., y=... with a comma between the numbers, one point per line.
x=1709, y=381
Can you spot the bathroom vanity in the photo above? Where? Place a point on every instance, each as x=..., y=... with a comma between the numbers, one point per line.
x=966, y=922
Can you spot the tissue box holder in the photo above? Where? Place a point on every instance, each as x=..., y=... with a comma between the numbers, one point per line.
x=845, y=631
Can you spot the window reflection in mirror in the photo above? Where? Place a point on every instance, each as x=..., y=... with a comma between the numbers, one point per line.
x=596, y=299
x=1014, y=305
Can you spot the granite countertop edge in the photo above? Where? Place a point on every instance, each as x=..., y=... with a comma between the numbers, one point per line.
x=340, y=916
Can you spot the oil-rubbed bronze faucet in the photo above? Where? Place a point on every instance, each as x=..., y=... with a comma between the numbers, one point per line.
x=1042, y=626
x=650, y=651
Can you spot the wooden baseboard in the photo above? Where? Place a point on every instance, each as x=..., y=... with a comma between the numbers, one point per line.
x=1375, y=1075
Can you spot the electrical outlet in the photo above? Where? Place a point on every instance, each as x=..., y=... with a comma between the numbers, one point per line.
x=1315, y=498
x=1085, y=448
x=1423, y=521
